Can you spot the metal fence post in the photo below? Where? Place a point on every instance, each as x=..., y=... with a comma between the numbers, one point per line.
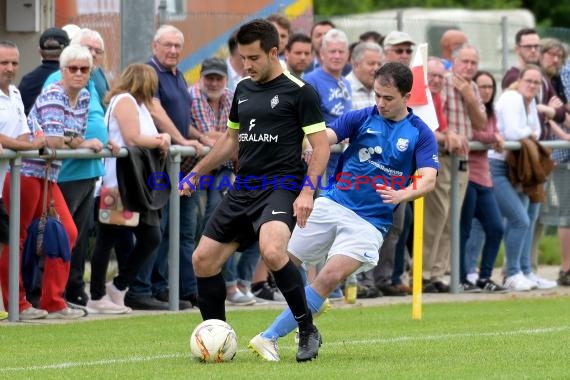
x=14, y=236
x=174, y=235
x=455, y=208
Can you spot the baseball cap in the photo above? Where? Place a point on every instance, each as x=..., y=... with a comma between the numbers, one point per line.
x=396, y=37
x=53, y=39
x=214, y=66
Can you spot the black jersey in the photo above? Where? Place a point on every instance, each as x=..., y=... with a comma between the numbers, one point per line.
x=272, y=119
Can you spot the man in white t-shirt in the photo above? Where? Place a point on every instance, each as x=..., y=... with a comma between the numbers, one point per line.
x=14, y=135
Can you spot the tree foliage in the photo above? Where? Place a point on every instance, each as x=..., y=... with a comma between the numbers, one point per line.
x=555, y=13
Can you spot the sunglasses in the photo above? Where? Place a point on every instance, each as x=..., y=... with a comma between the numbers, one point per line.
x=75, y=69
x=402, y=50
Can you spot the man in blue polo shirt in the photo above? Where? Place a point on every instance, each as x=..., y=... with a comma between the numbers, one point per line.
x=171, y=113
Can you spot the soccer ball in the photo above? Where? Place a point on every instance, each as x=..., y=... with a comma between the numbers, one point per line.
x=213, y=341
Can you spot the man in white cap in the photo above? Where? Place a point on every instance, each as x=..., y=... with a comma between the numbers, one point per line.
x=398, y=47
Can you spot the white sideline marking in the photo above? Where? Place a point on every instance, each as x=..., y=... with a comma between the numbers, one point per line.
x=136, y=359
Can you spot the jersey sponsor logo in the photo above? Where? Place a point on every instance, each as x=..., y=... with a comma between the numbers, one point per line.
x=257, y=137
x=275, y=101
x=402, y=144
x=240, y=101
x=251, y=124
x=273, y=212
x=364, y=154
x=373, y=131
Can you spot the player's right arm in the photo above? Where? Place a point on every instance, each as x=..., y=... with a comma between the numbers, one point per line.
x=224, y=149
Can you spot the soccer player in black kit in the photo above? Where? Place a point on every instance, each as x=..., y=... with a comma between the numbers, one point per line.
x=271, y=113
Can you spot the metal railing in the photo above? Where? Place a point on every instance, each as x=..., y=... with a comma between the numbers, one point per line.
x=176, y=152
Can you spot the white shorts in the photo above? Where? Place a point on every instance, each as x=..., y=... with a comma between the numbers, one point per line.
x=333, y=229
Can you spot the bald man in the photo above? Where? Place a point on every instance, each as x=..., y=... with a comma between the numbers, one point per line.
x=451, y=40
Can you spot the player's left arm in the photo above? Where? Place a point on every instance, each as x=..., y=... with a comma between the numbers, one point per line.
x=422, y=183
x=426, y=159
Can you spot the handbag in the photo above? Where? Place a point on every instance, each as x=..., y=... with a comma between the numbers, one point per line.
x=47, y=237
x=112, y=211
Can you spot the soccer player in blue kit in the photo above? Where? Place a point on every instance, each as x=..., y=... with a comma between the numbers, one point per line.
x=388, y=143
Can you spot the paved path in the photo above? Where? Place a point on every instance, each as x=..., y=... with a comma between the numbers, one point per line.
x=550, y=272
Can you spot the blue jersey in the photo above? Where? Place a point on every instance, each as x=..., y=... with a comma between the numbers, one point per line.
x=381, y=153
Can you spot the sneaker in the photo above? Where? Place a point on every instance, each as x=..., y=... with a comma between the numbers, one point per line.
x=240, y=299
x=32, y=313
x=265, y=293
x=564, y=278
x=472, y=277
x=468, y=287
x=441, y=286
x=489, y=286
x=106, y=306
x=541, y=283
x=517, y=283
x=265, y=348
x=67, y=313
x=115, y=295
x=404, y=288
x=336, y=295
x=367, y=291
x=309, y=342
x=78, y=299
x=429, y=287
x=144, y=303
x=392, y=291
x=183, y=304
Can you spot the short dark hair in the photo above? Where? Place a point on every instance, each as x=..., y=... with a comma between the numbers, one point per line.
x=397, y=75
x=259, y=30
x=323, y=22
x=371, y=35
x=524, y=32
x=280, y=20
x=297, y=37
x=232, y=42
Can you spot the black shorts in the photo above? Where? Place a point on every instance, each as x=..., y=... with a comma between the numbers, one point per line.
x=241, y=213
x=4, y=224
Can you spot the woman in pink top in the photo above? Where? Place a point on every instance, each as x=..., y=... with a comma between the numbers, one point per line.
x=480, y=202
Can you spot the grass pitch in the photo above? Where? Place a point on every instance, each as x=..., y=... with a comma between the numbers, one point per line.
x=515, y=338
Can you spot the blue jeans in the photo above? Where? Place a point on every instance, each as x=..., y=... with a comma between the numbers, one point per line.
x=400, y=256
x=520, y=217
x=474, y=245
x=153, y=276
x=215, y=193
x=480, y=203
x=241, y=265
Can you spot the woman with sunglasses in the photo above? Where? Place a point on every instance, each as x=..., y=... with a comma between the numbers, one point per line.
x=480, y=204
x=60, y=114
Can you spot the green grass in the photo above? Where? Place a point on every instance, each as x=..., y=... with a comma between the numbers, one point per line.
x=517, y=338
x=548, y=248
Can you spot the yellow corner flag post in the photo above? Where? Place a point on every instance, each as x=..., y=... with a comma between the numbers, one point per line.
x=417, y=259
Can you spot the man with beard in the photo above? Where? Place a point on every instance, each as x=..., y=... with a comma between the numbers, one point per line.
x=298, y=54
